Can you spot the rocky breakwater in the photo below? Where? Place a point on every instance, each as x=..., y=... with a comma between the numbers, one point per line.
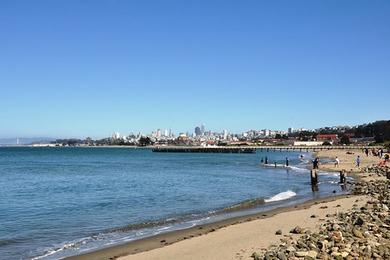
x=361, y=233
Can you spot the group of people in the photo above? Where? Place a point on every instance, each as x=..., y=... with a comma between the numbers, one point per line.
x=265, y=161
x=374, y=152
x=380, y=153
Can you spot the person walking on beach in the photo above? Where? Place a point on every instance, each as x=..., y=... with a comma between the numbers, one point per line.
x=366, y=151
x=336, y=164
x=358, y=161
x=287, y=161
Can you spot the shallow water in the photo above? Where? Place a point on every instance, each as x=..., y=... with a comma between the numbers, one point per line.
x=57, y=202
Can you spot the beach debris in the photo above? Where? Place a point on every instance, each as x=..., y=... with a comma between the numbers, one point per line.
x=278, y=232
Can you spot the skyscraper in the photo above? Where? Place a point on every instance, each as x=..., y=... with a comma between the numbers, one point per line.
x=198, y=131
x=202, y=129
x=225, y=134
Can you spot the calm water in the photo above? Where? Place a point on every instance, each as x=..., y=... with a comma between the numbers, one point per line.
x=56, y=202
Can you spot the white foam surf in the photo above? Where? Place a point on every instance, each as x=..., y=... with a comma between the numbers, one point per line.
x=281, y=196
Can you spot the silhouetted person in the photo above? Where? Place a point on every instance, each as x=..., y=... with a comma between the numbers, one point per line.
x=287, y=162
x=316, y=162
x=343, y=177
x=314, y=176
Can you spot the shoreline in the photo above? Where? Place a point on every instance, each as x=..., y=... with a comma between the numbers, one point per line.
x=172, y=237
x=160, y=241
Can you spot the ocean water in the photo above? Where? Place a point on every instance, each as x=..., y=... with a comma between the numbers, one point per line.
x=58, y=202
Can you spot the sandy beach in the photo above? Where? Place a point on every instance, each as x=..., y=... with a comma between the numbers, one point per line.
x=238, y=238
x=234, y=238
x=347, y=160
x=241, y=240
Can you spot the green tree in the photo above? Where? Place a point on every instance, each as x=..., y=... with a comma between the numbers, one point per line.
x=344, y=139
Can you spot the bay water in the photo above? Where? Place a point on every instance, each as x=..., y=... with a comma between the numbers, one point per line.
x=58, y=202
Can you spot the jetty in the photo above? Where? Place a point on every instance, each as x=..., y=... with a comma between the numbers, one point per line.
x=253, y=149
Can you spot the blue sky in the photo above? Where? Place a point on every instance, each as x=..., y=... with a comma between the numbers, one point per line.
x=88, y=68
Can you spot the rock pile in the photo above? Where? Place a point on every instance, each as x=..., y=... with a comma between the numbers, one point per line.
x=362, y=233
x=379, y=170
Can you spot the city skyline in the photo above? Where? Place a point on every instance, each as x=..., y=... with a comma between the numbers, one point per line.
x=76, y=69
x=165, y=132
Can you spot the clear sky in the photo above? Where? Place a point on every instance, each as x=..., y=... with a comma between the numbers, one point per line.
x=89, y=68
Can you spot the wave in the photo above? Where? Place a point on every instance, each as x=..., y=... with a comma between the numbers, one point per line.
x=64, y=246
x=246, y=204
x=281, y=196
x=298, y=169
x=278, y=165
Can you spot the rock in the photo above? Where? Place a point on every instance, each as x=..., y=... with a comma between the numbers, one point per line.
x=291, y=249
x=336, y=227
x=313, y=254
x=357, y=233
x=301, y=253
x=359, y=222
x=297, y=230
x=282, y=256
x=256, y=256
x=337, y=236
x=278, y=232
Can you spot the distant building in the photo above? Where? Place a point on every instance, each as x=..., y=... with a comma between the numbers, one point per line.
x=158, y=133
x=198, y=131
x=202, y=129
x=116, y=136
x=307, y=143
x=225, y=134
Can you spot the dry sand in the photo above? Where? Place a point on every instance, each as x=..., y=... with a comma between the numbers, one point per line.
x=347, y=160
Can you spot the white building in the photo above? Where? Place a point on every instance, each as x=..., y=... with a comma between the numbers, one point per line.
x=225, y=134
x=116, y=136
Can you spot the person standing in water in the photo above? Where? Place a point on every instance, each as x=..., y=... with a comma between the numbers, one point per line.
x=266, y=160
x=287, y=161
x=316, y=162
